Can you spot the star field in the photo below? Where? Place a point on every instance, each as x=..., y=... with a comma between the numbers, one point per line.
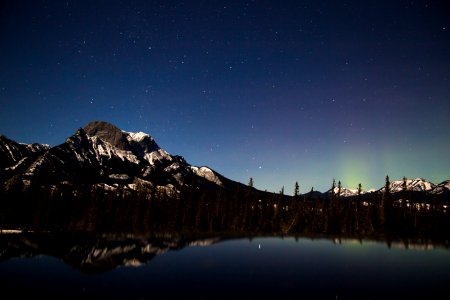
x=280, y=91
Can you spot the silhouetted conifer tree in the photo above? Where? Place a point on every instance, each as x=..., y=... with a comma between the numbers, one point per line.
x=387, y=186
x=385, y=208
x=339, y=188
x=387, y=189
x=296, y=189
x=404, y=190
x=333, y=186
x=404, y=185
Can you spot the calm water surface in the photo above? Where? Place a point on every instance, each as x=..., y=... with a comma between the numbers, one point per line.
x=259, y=268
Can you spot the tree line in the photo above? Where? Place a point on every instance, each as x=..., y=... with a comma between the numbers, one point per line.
x=242, y=210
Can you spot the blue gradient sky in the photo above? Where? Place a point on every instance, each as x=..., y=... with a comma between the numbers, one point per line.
x=280, y=91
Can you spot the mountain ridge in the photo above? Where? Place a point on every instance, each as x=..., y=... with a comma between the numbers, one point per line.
x=102, y=153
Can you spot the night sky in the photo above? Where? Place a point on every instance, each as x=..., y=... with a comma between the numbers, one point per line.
x=280, y=91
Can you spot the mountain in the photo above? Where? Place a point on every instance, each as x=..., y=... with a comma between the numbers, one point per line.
x=443, y=187
x=416, y=185
x=413, y=185
x=101, y=153
x=346, y=192
x=16, y=157
x=13, y=153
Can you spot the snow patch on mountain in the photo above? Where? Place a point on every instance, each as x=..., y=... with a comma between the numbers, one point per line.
x=207, y=173
x=11, y=153
x=123, y=177
x=158, y=155
x=35, y=147
x=20, y=162
x=136, y=136
x=105, y=149
x=36, y=165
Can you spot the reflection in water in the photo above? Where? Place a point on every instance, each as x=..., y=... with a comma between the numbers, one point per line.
x=89, y=266
x=99, y=253
x=94, y=254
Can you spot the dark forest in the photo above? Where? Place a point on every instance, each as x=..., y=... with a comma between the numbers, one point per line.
x=377, y=215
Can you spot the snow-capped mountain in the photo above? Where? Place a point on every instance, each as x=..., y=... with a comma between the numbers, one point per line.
x=417, y=184
x=443, y=187
x=102, y=153
x=12, y=153
x=346, y=192
x=16, y=158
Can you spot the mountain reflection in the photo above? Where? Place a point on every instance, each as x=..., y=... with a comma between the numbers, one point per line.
x=95, y=253
x=101, y=253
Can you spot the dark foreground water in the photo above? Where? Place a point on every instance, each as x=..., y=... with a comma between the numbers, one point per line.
x=258, y=268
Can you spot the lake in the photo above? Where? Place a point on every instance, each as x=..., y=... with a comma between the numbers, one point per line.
x=137, y=267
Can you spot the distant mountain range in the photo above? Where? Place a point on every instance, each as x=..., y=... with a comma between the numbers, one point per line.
x=415, y=185
x=102, y=154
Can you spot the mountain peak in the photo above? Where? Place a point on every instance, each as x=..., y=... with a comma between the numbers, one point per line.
x=107, y=132
x=139, y=142
x=137, y=136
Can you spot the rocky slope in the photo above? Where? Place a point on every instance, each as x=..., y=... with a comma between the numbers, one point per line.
x=102, y=153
